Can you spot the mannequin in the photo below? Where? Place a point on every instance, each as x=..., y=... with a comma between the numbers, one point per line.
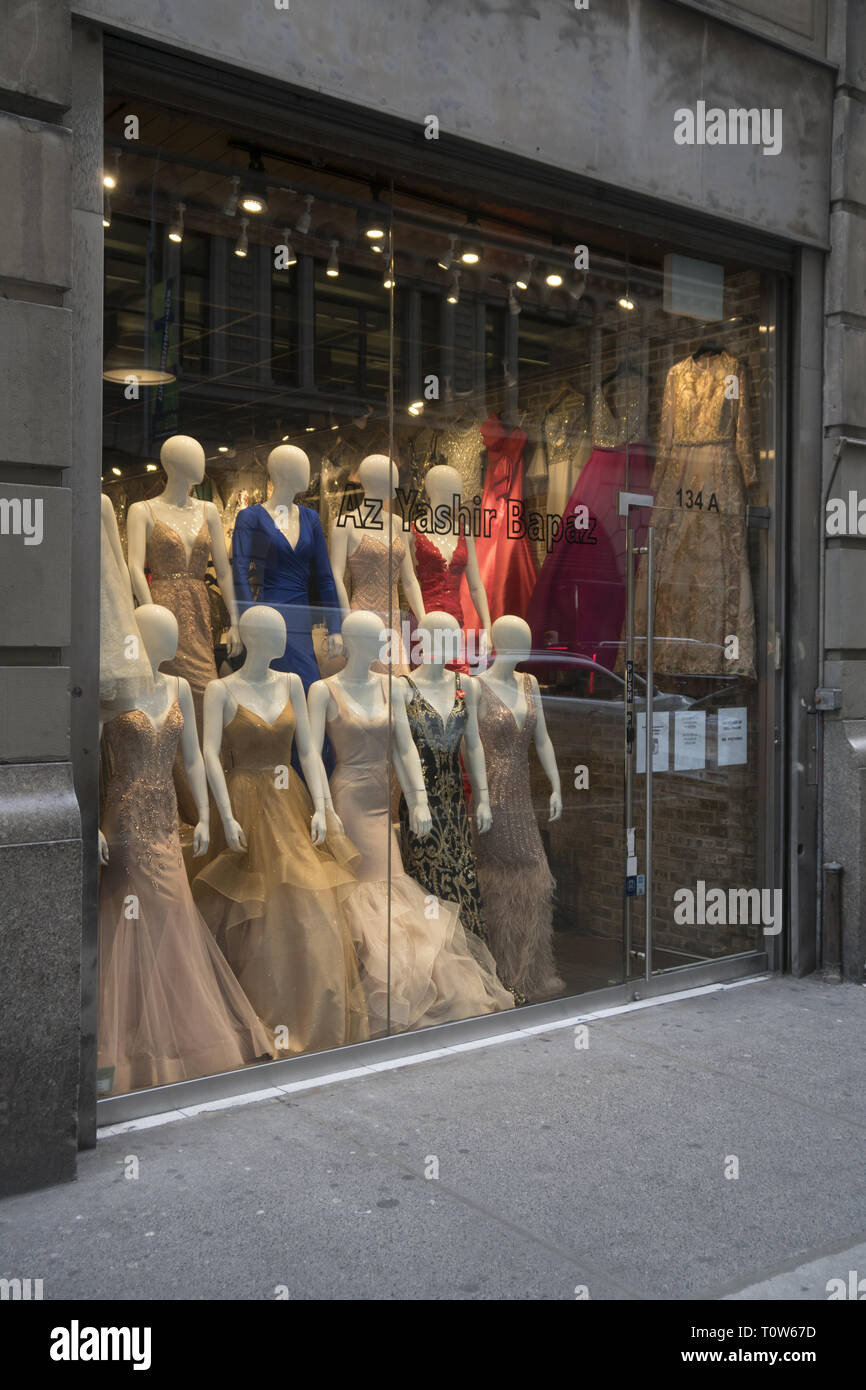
x=169, y=1006
x=442, y=710
x=273, y=896
x=285, y=543
x=444, y=557
x=123, y=666
x=363, y=541
x=513, y=873
x=177, y=534
x=418, y=967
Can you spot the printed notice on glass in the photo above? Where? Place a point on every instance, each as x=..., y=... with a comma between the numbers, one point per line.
x=690, y=740
x=733, y=725
x=661, y=742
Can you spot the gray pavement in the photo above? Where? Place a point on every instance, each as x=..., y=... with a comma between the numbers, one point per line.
x=559, y=1170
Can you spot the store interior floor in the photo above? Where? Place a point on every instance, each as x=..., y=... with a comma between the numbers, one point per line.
x=595, y=962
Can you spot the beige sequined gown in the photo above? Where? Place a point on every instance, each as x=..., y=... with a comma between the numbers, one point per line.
x=368, y=566
x=169, y=1006
x=513, y=872
x=703, y=587
x=179, y=586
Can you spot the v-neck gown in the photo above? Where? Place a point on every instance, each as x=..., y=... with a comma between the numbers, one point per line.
x=169, y=1006
x=369, y=566
x=434, y=971
x=277, y=908
x=513, y=872
x=284, y=577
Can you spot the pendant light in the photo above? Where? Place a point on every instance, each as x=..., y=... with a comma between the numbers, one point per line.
x=253, y=199
x=304, y=221
x=333, y=267
x=373, y=223
x=242, y=244
x=230, y=206
x=175, y=231
x=446, y=260
x=454, y=288
x=111, y=173
x=470, y=246
x=291, y=258
x=553, y=277
x=524, y=279
x=389, y=282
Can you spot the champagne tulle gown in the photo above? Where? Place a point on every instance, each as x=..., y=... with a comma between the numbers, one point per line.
x=169, y=1006
x=276, y=908
x=122, y=675
x=438, y=972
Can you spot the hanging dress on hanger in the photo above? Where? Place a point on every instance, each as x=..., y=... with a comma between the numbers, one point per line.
x=505, y=559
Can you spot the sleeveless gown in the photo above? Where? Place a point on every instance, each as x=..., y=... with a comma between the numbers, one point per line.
x=275, y=908
x=438, y=973
x=169, y=1006
x=513, y=872
x=368, y=566
x=440, y=582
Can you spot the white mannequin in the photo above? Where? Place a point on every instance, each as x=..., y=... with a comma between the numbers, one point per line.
x=362, y=638
x=158, y=630
x=266, y=693
x=289, y=472
x=379, y=478
x=182, y=459
x=110, y=520
x=439, y=636
x=512, y=643
x=442, y=484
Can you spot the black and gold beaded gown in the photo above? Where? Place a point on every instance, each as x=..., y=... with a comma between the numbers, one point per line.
x=170, y=1007
x=443, y=861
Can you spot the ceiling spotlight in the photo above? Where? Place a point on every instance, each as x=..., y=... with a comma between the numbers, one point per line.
x=106, y=210
x=309, y=429
x=222, y=448
x=118, y=472
x=242, y=244
x=626, y=303
x=333, y=264
x=446, y=260
x=524, y=279
x=151, y=468
x=553, y=277
x=470, y=246
x=389, y=282
x=303, y=223
x=175, y=231
x=513, y=302
x=454, y=288
x=111, y=175
x=416, y=407
x=373, y=222
x=230, y=206
x=285, y=439
x=291, y=258
x=252, y=197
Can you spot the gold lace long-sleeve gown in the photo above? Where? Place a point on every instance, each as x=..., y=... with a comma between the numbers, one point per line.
x=703, y=587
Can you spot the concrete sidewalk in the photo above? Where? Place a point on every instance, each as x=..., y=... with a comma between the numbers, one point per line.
x=558, y=1167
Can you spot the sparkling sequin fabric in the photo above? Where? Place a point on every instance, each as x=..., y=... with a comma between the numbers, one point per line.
x=368, y=566
x=169, y=1006
x=620, y=417
x=461, y=449
x=443, y=861
x=513, y=873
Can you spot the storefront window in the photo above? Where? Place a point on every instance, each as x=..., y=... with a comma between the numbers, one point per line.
x=399, y=494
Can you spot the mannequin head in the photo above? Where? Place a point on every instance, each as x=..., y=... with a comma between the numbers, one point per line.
x=158, y=629
x=437, y=639
x=379, y=476
x=182, y=457
x=512, y=639
x=289, y=469
x=363, y=634
x=263, y=632
x=442, y=484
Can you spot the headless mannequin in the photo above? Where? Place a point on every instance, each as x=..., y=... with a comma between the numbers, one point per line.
x=158, y=630
x=289, y=472
x=119, y=669
x=439, y=637
x=266, y=693
x=110, y=520
x=362, y=687
x=183, y=461
x=379, y=479
x=512, y=643
x=442, y=484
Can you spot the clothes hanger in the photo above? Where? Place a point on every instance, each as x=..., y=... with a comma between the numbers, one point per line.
x=710, y=347
x=624, y=368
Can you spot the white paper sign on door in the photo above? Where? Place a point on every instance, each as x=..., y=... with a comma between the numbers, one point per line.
x=733, y=736
x=690, y=740
x=661, y=742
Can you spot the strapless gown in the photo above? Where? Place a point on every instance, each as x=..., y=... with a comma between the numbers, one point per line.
x=180, y=588
x=276, y=908
x=438, y=972
x=169, y=1006
x=368, y=566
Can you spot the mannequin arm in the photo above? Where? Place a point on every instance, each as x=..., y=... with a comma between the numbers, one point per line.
x=476, y=588
x=411, y=587
x=310, y=759
x=546, y=754
x=101, y=842
x=339, y=556
x=473, y=753
x=325, y=577
x=318, y=699
x=215, y=696
x=194, y=765
x=407, y=766
x=224, y=575
x=136, y=540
